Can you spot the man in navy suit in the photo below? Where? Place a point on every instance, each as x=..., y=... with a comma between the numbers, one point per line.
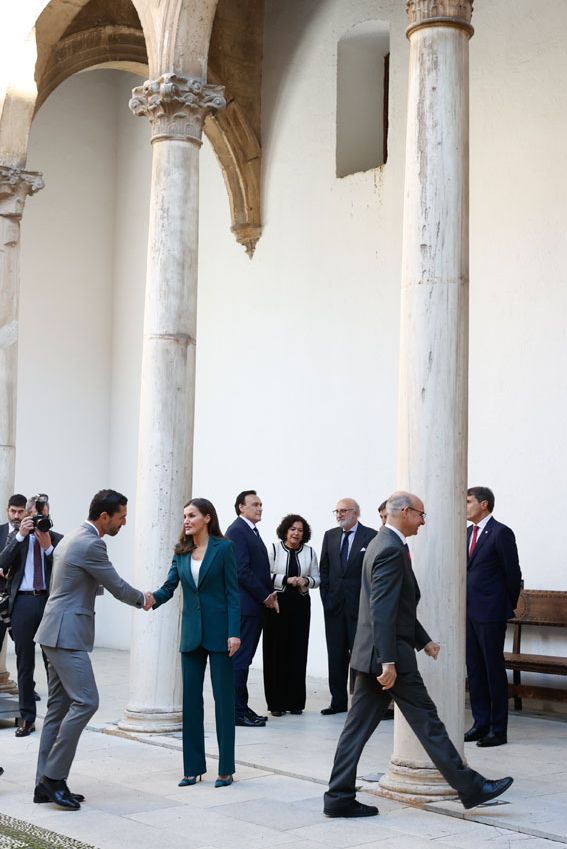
x=15, y=513
x=256, y=593
x=494, y=581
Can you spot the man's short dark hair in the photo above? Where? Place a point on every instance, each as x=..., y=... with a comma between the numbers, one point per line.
x=17, y=500
x=241, y=499
x=106, y=501
x=482, y=493
x=382, y=506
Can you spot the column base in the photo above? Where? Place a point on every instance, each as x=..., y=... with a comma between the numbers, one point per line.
x=6, y=683
x=413, y=784
x=151, y=721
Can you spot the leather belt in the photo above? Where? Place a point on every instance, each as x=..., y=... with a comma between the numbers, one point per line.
x=32, y=592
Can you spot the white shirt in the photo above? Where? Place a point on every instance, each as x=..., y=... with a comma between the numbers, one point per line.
x=481, y=526
x=195, y=567
x=27, y=579
x=250, y=524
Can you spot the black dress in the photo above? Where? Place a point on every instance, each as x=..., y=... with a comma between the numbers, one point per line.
x=285, y=643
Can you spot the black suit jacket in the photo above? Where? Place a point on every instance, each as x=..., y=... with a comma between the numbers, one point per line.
x=494, y=578
x=388, y=628
x=252, y=566
x=4, y=530
x=13, y=562
x=340, y=590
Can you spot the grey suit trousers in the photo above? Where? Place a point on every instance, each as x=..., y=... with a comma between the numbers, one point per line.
x=369, y=703
x=72, y=701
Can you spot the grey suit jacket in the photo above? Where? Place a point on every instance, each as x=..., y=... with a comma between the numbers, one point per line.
x=388, y=628
x=80, y=564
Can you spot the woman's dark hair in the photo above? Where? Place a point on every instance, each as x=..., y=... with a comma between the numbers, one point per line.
x=186, y=544
x=286, y=524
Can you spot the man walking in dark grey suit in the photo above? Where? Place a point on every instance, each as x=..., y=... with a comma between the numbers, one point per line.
x=66, y=635
x=388, y=634
x=340, y=567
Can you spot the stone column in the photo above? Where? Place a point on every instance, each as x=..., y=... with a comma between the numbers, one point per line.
x=433, y=411
x=15, y=185
x=176, y=107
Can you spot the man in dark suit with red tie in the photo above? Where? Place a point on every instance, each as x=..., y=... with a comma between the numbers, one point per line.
x=27, y=560
x=494, y=581
x=340, y=567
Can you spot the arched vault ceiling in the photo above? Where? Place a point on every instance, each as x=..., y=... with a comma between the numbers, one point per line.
x=102, y=32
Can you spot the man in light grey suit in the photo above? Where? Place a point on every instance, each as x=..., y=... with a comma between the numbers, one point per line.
x=66, y=634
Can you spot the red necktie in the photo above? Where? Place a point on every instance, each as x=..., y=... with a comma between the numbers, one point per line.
x=37, y=567
x=473, y=541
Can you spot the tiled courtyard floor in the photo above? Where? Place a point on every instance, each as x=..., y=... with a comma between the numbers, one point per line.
x=133, y=801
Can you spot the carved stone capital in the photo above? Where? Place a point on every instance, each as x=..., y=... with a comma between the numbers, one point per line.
x=427, y=13
x=15, y=185
x=177, y=106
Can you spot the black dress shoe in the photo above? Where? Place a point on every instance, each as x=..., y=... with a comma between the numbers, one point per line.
x=57, y=791
x=25, y=728
x=492, y=740
x=489, y=790
x=354, y=809
x=331, y=710
x=243, y=721
x=296, y=711
x=475, y=733
x=40, y=796
x=1, y=770
x=277, y=712
x=251, y=714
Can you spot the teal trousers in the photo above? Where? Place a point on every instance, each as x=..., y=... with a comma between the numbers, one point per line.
x=193, y=666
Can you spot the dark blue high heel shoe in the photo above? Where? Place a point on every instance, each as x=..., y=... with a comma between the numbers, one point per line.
x=224, y=782
x=189, y=780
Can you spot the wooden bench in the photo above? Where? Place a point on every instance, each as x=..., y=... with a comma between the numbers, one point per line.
x=538, y=608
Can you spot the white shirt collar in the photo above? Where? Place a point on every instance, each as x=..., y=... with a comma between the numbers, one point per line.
x=250, y=524
x=92, y=526
x=483, y=522
x=396, y=531
x=352, y=530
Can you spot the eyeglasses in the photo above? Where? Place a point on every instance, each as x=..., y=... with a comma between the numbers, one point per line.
x=342, y=512
x=421, y=513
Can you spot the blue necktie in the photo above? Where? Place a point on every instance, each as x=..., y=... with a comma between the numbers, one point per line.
x=255, y=529
x=344, y=550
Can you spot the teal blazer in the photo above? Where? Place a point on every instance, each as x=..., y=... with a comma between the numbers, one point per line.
x=211, y=610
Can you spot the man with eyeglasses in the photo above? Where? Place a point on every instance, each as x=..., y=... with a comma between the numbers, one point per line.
x=387, y=638
x=27, y=559
x=340, y=566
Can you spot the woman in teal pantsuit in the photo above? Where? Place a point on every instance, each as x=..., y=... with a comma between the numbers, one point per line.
x=204, y=562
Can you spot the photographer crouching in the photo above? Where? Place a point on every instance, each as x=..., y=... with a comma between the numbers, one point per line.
x=26, y=561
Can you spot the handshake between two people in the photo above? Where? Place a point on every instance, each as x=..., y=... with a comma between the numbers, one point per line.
x=233, y=643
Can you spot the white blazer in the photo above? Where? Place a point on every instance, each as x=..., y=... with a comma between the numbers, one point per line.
x=279, y=559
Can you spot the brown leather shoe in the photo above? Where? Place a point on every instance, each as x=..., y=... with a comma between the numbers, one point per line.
x=25, y=728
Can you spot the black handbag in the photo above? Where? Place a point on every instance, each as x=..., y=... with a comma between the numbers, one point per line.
x=5, y=608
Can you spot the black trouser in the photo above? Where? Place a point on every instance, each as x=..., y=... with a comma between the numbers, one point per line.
x=250, y=631
x=25, y=618
x=369, y=703
x=486, y=673
x=340, y=629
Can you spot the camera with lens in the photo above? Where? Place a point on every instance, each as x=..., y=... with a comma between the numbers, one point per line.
x=41, y=522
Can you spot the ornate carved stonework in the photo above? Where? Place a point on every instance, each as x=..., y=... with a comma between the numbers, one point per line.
x=177, y=106
x=438, y=12
x=15, y=185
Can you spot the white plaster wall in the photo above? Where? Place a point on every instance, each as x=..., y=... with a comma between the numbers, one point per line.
x=298, y=349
